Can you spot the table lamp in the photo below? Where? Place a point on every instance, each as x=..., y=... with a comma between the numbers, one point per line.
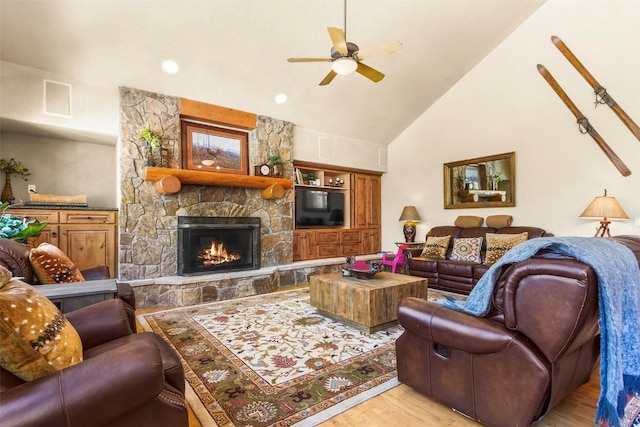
x=607, y=208
x=410, y=217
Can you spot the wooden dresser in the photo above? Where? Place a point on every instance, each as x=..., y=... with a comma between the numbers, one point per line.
x=89, y=237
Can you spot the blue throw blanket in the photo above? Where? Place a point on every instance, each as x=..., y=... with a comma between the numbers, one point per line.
x=619, y=302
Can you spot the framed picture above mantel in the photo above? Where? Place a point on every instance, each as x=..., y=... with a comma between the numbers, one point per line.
x=214, y=149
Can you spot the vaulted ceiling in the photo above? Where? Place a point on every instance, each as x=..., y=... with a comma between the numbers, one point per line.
x=233, y=52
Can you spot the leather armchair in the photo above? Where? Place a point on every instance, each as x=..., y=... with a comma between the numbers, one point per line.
x=538, y=343
x=125, y=379
x=14, y=256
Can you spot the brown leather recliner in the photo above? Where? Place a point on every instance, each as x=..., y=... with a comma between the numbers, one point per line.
x=125, y=379
x=14, y=256
x=538, y=343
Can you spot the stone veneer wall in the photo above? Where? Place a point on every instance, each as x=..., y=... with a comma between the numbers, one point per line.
x=148, y=220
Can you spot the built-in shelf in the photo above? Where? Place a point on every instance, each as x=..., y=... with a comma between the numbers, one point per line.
x=322, y=187
x=187, y=176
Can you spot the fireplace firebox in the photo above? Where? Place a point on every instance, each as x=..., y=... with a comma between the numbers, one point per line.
x=209, y=245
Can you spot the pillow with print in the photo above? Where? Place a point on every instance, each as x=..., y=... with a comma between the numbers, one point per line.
x=467, y=249
x=51, y=265
x=35, y=338
x=436, y=247
x=499, y=244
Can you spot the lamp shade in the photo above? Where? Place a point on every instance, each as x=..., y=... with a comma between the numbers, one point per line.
x=606, y=207
x=344, y=66
x=410, y=213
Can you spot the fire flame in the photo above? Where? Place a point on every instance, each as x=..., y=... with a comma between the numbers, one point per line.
x=217, y=254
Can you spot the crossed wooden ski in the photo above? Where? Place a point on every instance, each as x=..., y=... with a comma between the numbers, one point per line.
x=583, y=122
x=602, y=97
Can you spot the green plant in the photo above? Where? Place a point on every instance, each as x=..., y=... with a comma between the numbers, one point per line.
x=14, y=167
x=311, y=176
x=14, y=228
x=149, y=136
x=275, y=160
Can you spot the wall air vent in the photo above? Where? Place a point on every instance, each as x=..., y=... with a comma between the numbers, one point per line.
x=56, y=98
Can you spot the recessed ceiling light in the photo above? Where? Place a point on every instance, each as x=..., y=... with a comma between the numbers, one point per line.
x=281, y=98
x=170, y=66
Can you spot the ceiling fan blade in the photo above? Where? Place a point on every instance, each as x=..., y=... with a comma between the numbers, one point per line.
x=309, y=59
x=328, y=78
x=370, y=73
x=386, y=49
x=338, y=39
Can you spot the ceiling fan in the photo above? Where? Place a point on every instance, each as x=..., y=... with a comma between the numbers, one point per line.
x=346, y=57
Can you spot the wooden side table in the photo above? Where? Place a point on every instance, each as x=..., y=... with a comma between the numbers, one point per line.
x=72, y=296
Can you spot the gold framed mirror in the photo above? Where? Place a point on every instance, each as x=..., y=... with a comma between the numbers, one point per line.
x=483, y=182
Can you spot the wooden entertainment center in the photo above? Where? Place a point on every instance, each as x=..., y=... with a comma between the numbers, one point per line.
x=359, y=232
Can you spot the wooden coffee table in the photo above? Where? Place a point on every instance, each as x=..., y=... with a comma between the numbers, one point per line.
x=369, y=305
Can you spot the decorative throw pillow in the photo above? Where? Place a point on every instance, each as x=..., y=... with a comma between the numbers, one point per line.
x=436, y=247
x=499, y=221
x=35, y=338
x=468, y=221
x=51, y=265
x=467, y=249
x=499, y=244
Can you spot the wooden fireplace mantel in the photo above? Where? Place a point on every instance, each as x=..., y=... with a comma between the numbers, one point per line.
x=186, y=176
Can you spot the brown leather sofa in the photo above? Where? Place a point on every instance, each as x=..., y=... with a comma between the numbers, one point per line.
x=14, y=256
x=125, y=379
x=453, y=275
x=538, y=343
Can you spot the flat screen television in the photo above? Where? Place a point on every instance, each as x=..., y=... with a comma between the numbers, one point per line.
x=318, y=208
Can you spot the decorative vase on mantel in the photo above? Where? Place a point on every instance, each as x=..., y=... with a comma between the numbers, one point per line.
x=7, y=195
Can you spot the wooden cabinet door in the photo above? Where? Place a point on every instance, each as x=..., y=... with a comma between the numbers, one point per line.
x=304, y=245
x=366, y=201
x=298, y=241
x=360, y=200
x=375, y=201
x=49, y=234
x=370, y=241
x=89, y=245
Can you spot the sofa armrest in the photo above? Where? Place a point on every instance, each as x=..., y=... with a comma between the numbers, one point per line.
x=96, y=273
x=126, y=294
x=451, y=328
x=102, y=322
x=410, y=253
x=61, y=398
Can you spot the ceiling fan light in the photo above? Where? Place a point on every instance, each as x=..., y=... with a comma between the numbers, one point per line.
x=344, y=66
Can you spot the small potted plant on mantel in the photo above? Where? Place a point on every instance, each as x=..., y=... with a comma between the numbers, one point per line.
x=277, y=165
x=153, y=142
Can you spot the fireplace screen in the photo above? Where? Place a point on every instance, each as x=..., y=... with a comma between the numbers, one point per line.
x=217, y=244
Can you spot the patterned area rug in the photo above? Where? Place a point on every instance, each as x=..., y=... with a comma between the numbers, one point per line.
x=271, y=360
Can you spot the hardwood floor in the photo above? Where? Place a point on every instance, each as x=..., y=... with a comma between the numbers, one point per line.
x=402, y=406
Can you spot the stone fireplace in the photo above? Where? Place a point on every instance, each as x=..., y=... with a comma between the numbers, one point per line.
x=208, y=245
x=149, y=221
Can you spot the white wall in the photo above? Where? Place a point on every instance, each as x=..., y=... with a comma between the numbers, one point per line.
x=65, y=155
x=320, y=147
x=63, y=167
x=504, y=105
x=94, y=109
